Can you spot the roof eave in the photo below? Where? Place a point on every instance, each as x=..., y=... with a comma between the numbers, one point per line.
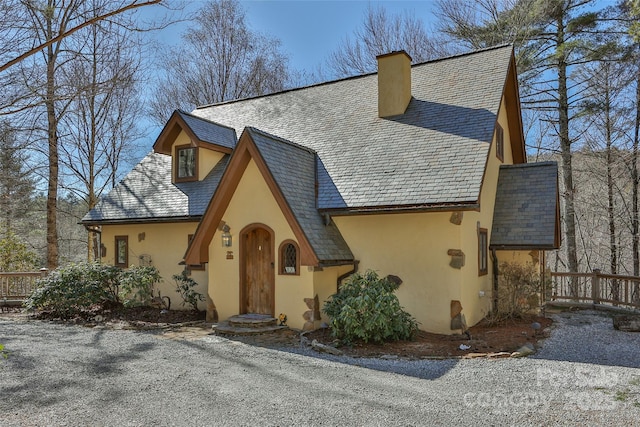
x=524, y=247
x=172, y=129
x=146, y=220
x=336, y=263
x=390, y=209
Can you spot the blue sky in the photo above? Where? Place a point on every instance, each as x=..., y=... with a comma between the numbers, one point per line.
x=309, y=30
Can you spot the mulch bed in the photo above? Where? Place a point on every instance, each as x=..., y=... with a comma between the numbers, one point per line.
x=486, y=337
x=506, y=336
x=134, y=317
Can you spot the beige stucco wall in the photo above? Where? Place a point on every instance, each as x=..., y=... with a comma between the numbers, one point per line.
x=476, y=307
x=251, y=203
x=207, y=159
x=165, y=243
x=521, y=257
x=413, y=247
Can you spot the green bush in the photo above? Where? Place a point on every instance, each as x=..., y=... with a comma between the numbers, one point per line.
x=72, y=289
x=136, y=285
x=184, y=287
x=366, y=309
x=67, y=291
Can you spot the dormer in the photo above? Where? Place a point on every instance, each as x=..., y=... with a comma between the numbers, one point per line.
x=195, y=145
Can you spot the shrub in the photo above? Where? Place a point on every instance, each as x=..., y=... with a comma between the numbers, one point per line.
x=67, y=291
x=184, y=287
x=366, y=309
x=137, y=285
x=519, y=288
x=72, y=289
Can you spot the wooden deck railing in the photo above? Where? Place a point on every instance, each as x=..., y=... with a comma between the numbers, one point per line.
x=16, y=287
x=597, y=288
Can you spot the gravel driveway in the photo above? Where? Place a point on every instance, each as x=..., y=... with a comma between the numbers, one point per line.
x=586, y=374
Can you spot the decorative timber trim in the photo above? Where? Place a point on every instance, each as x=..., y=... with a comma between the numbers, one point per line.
x=172, y=129
x=245, y=151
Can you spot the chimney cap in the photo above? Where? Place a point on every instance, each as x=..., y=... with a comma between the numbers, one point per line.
x=395, y=52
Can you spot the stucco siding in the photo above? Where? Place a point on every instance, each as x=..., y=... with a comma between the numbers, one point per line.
x=253, y=203
x=476, y=289
x=165, y=244
x=413, y=247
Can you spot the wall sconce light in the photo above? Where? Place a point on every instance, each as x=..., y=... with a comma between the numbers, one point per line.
x=226, y=236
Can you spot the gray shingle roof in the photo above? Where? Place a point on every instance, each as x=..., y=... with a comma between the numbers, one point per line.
x=208, y=131
x=435, y=153
x=293, y=169
x=525, y=213
x=147, y=193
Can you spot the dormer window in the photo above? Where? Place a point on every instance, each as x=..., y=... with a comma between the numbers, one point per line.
x=186, y=163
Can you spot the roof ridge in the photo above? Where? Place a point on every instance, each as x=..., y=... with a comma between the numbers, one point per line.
x=459, y=55
x=280, y=139
x=329, y=82
x=531, y=165
x=181, y=111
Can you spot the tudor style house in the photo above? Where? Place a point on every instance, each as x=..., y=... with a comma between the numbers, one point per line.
x=418, y=172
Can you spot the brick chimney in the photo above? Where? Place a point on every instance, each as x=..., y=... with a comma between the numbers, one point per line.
x=394, y=83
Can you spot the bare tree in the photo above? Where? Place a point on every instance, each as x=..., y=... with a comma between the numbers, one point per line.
x=605, y=117
x=34, y=56
x=383, y=33
x=102, y=119
x=220, y=59
x=72, y=25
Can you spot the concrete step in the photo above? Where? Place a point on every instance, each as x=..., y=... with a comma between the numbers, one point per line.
x=248, y=324
x=252, y=321
x=223, y=328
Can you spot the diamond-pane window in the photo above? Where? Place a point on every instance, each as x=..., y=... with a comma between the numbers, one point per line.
x=289, y=258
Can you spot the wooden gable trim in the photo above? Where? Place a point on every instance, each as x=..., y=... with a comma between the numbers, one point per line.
x=172, y=129
x=307, y=254
x=198, y=251
x=511, y=98
x=511, y=102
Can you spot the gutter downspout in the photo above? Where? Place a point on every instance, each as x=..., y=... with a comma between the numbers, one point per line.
x=494, y=259
x=347, y=274
x=97, y=241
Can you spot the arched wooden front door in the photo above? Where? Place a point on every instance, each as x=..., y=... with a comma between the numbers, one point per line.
x=257, y=270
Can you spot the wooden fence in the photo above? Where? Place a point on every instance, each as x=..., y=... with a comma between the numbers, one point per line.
x=16, y=287
x=597, y=288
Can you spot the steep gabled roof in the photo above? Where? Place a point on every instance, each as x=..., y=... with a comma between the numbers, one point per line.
x=527, y=209
x=293, y=168
x=147, y=193
x=289, y=171
x=433, y=155
x=201, y=132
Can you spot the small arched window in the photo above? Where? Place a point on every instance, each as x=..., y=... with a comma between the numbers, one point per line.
x=289, y=258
